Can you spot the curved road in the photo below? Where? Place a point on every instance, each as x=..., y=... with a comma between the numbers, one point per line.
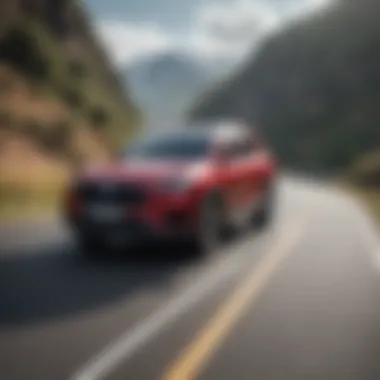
x=297, y=301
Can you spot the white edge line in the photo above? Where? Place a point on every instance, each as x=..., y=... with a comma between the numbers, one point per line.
x=134, y=338
x=129, y=342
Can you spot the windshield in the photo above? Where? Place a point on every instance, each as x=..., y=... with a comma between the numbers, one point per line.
x=171, y=147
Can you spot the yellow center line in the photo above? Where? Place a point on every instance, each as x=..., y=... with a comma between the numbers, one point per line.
x=195, y=356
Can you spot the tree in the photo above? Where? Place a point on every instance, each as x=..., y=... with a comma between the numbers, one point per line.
x=99, y=117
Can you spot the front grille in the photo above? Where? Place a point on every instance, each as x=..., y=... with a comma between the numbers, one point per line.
x=137, y=227
x=111, y=192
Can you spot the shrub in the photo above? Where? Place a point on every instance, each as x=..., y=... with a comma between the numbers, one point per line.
x=99, y=117
x=5, y=85
x=62, y=126
x=37, y=131
x=73, y=98
x=5, y=119
x=19, y=48
x=76, y=69
x=50, y=143
x=31, y=128
x=56, y=139
x=366, y=171
x=62, y=132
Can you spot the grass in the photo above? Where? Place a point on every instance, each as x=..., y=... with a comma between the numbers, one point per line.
x=30, y=189
x=371, y=198
x=362, y=179
x=12, y=212
x=28, y=207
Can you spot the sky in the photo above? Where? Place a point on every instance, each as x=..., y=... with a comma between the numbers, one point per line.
x=209, y=30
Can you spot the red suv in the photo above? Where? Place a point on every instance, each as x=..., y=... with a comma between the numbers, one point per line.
x=189, y=184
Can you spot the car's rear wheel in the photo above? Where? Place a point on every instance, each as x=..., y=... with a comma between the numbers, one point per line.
x=90, y=247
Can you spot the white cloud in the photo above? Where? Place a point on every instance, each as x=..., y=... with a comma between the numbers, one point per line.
x=227, y=30
x=313, y=5
x=218, y=31
x=127, y=42
x=237, y=19
x=299, y=8
x=231, y=29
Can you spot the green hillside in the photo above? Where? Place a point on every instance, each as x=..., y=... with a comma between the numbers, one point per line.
x=314, y=88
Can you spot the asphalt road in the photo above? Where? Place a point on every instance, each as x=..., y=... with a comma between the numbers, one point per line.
x=297, y=301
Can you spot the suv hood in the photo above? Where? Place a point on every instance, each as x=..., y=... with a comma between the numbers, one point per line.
x=146, y=171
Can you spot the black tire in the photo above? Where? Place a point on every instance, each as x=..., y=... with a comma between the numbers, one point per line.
x=263, y=215
x=210, y=226
x=90, y=248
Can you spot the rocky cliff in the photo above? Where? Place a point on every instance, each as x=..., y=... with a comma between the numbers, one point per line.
x=61, y=102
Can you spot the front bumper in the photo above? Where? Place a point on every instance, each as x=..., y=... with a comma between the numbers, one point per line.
x=160, y=217
x=134, y=230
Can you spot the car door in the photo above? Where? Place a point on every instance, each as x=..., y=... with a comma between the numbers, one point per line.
x=237, y=171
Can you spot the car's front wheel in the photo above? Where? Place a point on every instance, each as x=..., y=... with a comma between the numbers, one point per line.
x=263, y=215
x=90, y=247
x=209, y=229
